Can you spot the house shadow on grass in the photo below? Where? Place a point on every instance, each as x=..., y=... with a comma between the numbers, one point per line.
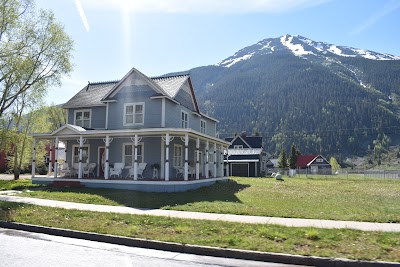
x=219, y=192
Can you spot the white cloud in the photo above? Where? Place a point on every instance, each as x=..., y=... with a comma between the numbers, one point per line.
x=374, y=18
x=82, y=15
x=204, y=6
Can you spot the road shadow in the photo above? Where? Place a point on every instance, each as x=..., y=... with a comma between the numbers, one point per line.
x=219, y=192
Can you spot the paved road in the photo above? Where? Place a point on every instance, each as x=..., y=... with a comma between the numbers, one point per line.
x=19, y=249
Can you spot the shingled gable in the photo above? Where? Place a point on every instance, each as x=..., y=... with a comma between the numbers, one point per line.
x=114, y=90
x=173, y=84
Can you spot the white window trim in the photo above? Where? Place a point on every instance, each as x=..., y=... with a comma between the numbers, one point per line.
x=181, y=161
x=187, y=122
x=133, y=152
x=134, y=105
x=238, y=147
x=84, y=110
x=73, y=150
x=205, y=126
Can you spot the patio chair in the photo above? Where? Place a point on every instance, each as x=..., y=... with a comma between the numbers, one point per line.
x=179, y=171
x=89, y=170
x=64, y=170
x=140, y=169
x=191, y=171
x=117, y=169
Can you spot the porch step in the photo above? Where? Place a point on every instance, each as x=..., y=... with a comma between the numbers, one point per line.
x=59, y=184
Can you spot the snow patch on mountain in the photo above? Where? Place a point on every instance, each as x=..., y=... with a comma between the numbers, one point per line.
x=297, y=49
x=232, y=61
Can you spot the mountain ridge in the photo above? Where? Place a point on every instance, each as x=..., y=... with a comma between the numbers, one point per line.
x=291, y=89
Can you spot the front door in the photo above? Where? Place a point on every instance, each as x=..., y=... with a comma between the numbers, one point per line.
x=101, y=161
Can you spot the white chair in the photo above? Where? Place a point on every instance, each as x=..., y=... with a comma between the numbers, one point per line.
x=179, y=171
x=191, y=171
x=140, y=169
x=117, y=169
x=89, y=170
x=64, y=170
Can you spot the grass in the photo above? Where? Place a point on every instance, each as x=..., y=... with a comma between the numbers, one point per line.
x=316, y=197
x=20, y=184
x=337, y=243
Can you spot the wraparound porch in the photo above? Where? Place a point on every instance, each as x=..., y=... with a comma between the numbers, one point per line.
x=195, y=156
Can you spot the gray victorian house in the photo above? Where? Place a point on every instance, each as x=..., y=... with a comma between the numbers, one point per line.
x=137, y=133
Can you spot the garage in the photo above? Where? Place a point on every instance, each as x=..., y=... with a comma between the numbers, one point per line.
x=240, y=169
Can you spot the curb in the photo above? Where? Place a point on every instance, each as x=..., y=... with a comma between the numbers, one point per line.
x=197, y=250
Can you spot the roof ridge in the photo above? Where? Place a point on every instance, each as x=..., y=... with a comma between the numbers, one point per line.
x=169, y=77
x=103, y=82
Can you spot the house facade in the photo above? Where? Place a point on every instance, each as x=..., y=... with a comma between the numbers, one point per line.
x=245, y=156
x=313, y=164
x=151, y=128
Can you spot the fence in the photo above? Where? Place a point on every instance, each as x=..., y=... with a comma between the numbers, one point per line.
x=383, y=174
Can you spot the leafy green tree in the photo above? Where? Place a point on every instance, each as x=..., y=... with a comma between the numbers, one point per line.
x=35, y=52
x=282, y=160
x=335, y=165
x=293, y=157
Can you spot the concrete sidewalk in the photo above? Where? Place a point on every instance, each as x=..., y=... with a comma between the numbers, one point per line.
x=292, y=222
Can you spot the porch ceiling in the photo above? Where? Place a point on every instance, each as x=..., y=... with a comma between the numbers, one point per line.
x=69, y=133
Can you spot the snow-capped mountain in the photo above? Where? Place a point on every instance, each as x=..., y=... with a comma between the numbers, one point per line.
x=302, y=47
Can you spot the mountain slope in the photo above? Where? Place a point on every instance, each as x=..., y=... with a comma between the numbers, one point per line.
x=324, y=98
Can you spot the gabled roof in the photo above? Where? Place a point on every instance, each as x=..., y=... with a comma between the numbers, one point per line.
x=68, y=129
x=250, y=141
x=303, y=161
x=97, y=94
x=90, y=95
x=171, y=84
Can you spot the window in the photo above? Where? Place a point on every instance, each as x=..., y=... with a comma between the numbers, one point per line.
x=184, y=119
x=82, y=118
x=238, y=146
x=202, y=126
x=128, y=154
x=133, y=114
x=178, y=159
x=319, y=160
x=85, y=154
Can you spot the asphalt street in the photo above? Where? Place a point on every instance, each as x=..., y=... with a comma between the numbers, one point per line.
x=19, y=248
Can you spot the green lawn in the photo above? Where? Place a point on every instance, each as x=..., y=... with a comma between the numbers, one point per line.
x=339, y=243
x=357, y=199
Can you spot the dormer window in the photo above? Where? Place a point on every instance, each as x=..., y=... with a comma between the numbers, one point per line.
x=184, y=119
x=133, y=114
x=82, y=118
x=238, y=146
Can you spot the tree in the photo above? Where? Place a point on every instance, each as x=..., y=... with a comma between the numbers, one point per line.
x=293, y=156
x=335, y=165
x=282, y=161
x=35, y=52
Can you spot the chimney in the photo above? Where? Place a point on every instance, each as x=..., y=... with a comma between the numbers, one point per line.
x=243, y=134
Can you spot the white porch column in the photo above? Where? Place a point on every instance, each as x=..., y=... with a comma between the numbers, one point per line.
x=197, y=159
x=107, y=164
x=227, y=162
x=56, y=159
x=215, y=160
x=186, y=175
x=50, y=158
x=34, y=158
x=207, y=166
x=221, y=162
x=135, y=164
x=80, y=157
x=162, y=171
x=166, y=157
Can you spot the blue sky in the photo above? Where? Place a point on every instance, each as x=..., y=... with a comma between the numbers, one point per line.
x=162, y=36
